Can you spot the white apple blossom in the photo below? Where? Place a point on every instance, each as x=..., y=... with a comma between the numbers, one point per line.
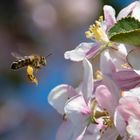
x=106, y=108
x=98, y=32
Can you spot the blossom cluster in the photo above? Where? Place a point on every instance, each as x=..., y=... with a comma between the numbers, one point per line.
x=105, y=106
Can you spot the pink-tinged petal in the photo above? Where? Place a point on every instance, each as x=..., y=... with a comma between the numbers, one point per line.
x=59, y=96
x=133, y=58
x=122, y=50
x=106, y=64
x=129, y=106
x=82, y=134
x=84, y=50
x=65, y=131
x=133, y=92
x=75, y=109
x=111, y=60
x=110, y=134
x=106, y=99
x=118, y=55
x=86, y=87
x=109, y=14
x=93, y=51
x=127, y=10
x=92, y=133
x=126, y=79
x=75, y=112
x=120, y=123
x=133, y=128
x=111, y=85
x=136, y=11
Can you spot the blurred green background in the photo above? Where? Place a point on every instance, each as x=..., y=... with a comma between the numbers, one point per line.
x=41, y=27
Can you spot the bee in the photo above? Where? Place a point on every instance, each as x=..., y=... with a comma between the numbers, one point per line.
x=35, y=61
x=31, y=62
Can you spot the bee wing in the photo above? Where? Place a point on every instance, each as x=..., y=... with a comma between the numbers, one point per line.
x=16, y=55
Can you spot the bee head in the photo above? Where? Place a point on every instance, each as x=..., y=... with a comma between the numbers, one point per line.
x=43, y=61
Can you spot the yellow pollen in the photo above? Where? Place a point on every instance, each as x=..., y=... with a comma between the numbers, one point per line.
x=126, y=66
x=98, y=75
x=96, y=32
x=108, y=121
x=30, y=75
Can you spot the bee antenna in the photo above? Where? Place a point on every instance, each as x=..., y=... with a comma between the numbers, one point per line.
x=48, y=55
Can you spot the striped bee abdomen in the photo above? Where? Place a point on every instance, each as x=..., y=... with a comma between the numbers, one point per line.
x=20, y=64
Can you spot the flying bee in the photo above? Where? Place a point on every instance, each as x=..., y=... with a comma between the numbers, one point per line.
x=35, y=61
x=31, y=62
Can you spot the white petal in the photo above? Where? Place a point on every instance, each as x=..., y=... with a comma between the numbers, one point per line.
x=119, y=123
x=92, y=133
x=112, y=60
x=59, y=95
x=106, y=99
x=133, y=58
x=126, y=11
x=136, y=11
x=111, y=85
x=86, y=87
x=74, y=109
x=133, y=92
x=79, y=53
x=109, y=14
x=106, y=65
x=110, y=134
x=65, y=131
x=133, y=128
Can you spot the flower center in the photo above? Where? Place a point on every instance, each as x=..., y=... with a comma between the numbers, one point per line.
x=97, y=32
x=100, y=118
x=107, y=121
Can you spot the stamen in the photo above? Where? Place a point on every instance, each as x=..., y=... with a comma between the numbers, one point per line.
x=126, y=66
x=96, y=32
x=98, y=75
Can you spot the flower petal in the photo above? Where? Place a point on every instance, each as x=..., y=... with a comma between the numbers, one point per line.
x=133, y=92
x=92, y=133
x=86, y=87
x=133, y=128
x=129, y=106
x=133, y=58
x=119, y=123
x=65, y=131
x=77, y=112
x=127, y=10
x=111, y=85
x=81, y=51
x=109, y=14
x=106, y=65
x=110, y=134
x=136, y=11
x=124, y=81
x=76, y=109
x=106, y=99
x=59, y=95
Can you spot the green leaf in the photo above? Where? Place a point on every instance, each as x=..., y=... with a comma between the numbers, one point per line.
x=126, y=30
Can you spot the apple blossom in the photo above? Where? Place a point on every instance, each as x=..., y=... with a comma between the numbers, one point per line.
x=129, y=111
x=62, y=94
x=98, y=32
x=106, y=107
